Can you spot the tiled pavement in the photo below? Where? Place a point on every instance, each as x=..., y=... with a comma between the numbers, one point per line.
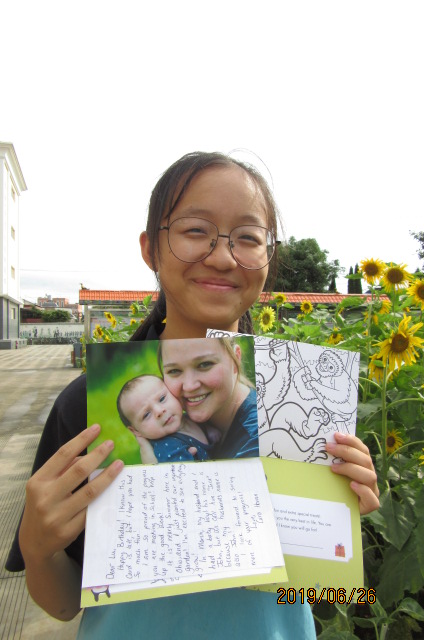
x=30, y=380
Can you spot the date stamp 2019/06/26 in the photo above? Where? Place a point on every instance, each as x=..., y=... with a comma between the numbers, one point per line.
x=332, y=595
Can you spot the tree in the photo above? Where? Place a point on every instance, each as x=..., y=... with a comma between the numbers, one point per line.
x=351, y=283
x=303, y=266
x=57, y=315
x=358, y=282
x=419, y=237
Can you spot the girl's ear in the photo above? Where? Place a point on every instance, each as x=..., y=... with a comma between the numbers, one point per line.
x=146, y=250
x=133, y=431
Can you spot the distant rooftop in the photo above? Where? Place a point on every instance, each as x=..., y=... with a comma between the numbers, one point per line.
x=95, y=296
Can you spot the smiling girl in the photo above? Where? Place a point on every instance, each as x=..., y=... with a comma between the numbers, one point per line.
x=206, y=214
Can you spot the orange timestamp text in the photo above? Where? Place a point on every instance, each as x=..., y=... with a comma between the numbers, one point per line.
x=312, y=595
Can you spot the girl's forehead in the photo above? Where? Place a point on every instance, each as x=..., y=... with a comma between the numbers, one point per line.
x=231, y=186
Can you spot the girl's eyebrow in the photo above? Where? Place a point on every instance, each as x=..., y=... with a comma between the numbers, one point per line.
x=245, y=218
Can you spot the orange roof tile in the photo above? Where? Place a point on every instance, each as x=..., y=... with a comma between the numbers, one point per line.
x=94, y=296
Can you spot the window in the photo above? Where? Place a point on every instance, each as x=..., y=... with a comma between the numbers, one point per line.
x=13, y=314
x=12, y=232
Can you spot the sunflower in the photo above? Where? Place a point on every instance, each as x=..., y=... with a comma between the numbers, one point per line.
x=393, y=440
x=267, y=319
x=279, y=299
x=382, y=307
x=98, y=331
x=396, y=277
x=306, y=307
x=111, y=319
x=106, y=338
x=134, y=308
x=133, y=321
x=376, y=372
x=335, y=336
x=372, y=270
x=417, y=290
x=421, y=458
x=402, y=345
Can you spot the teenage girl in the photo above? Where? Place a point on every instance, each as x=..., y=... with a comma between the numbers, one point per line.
x=211, y=239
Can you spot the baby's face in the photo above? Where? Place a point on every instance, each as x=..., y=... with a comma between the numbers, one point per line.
x=151, y=409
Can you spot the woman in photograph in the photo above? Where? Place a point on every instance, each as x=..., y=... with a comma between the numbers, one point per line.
x=207, y=378
x=211, y=240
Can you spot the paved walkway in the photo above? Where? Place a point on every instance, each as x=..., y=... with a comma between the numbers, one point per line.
x=30, y=380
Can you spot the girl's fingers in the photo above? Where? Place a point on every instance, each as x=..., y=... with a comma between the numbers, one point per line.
x=368, y=500
x=64, y=456
x=81, y=469
x=351, y=449
x=355, y=472
x=78, y=501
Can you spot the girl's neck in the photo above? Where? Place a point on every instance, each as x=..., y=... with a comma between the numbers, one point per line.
x=177, y=327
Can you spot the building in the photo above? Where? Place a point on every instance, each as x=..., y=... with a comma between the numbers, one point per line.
x=12, y=184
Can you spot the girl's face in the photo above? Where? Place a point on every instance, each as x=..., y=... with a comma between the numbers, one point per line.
x=151, y=409
x=215, y=292
x=202, y=375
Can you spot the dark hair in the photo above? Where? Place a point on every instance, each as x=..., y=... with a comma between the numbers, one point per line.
x=166, y=195
x=129, y=386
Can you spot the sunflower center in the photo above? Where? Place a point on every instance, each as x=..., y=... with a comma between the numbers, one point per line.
x=391, y=441
x=400, y=343
x=420, y=292
x=371, y=269
x=395, y=276
x=266, y=318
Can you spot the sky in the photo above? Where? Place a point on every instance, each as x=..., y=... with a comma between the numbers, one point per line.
x=100, y=97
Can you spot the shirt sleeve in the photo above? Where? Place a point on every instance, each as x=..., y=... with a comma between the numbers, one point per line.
x=67, y=419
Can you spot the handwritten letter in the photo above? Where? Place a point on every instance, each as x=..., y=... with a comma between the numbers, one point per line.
x=179, y=521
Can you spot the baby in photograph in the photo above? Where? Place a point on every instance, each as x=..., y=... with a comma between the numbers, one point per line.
x=152, y=413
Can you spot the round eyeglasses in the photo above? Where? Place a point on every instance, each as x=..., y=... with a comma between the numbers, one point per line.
x=194, y=239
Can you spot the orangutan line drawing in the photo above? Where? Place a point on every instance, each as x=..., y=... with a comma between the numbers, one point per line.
x=305, y=393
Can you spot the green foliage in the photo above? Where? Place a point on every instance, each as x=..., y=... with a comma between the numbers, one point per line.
x=303, y=266
x=56, y=315
x=419, y=237
x=358, y=281
x=390, y=422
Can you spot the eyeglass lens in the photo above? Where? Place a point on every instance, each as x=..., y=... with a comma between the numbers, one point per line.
x=193, y=239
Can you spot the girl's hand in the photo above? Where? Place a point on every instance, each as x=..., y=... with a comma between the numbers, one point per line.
x=357, y=466
x=55, y=507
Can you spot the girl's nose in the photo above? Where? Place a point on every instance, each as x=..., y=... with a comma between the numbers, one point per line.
x=221, y=257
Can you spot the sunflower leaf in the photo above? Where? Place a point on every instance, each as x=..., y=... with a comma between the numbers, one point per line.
x=412, y=608
x=394, y=520
x=400, y=570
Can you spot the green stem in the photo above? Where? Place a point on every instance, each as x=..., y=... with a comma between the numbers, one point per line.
x=376, y=438
x=395, y=402
x=371, y=535
x=384, y=426
x=367, y=382
x=404, y=446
